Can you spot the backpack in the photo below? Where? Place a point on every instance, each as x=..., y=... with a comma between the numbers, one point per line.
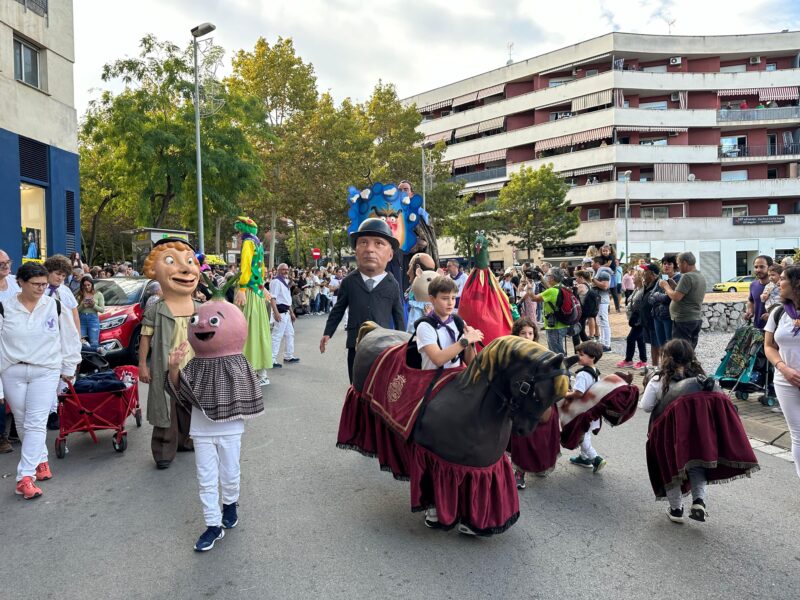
x=567, y=309
x=591, y=303
x=459, y=322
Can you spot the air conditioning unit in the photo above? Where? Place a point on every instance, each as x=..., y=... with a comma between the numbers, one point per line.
x=691, y=177
x=675, y=60
x=755, y=60
x=675, y=96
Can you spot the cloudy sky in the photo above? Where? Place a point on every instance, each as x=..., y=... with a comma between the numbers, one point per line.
x=415, y=44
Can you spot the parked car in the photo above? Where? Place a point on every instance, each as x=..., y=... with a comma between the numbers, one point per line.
x=736, y=284
x=121, y=322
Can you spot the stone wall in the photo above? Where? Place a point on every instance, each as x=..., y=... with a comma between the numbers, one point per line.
x=723, y=316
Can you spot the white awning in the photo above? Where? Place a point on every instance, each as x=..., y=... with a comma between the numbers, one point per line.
x=490, y=124
x=466, y=161
x=494, y=90
x=438, y=137
x=778, y=93
x=435, y=106
x=556, y=142
x=482, y=189
x=738, y=92
x=652, y=128
x=493, y=156
x=465, y=99
x=592, y=100
x=587, y=171
x=671, y=171
x=467, y=130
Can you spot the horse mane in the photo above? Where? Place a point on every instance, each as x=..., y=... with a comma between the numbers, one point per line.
x=501, y=353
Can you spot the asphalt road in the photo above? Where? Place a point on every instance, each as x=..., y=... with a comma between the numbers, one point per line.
x=318, y=522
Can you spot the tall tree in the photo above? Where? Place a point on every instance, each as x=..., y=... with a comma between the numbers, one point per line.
x=534, y=209
x=467, y=218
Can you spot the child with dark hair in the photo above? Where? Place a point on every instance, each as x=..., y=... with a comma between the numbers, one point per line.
x=695, y=435
x=538, y=451
x=589, y=353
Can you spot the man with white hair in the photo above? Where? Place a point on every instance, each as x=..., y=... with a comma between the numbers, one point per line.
x=281, y=293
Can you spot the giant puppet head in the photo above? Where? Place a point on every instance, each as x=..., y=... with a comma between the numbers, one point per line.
x=218, y=328
x=480, y=250
x=387, y=202
x=172, y=262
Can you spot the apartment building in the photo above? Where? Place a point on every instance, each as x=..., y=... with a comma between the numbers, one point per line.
x=702, y=133
x=39, y=189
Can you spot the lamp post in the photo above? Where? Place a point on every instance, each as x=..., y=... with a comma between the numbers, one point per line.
x=197, y=32
x=627, y=175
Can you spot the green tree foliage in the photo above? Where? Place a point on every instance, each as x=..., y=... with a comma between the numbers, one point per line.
x=467, y=218
x=533, y=208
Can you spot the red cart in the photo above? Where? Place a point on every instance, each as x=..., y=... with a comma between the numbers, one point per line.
x=90, y=412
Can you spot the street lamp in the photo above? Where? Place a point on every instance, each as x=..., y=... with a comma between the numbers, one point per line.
x=197, y=32
x=627, y=176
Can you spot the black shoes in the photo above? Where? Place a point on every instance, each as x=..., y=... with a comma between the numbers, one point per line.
x=676, y=515
x=229, y=517
x=52, y=422
x=209, y=537
x=698, y=511
x=292, y=360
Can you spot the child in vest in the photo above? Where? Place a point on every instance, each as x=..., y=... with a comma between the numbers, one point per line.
x=585, y=377
x=441, y=342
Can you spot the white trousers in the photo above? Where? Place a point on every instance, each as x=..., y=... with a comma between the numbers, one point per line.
x=605, y=325
x=789, y=399
x=280, y=330
x=587, y=450
x=217, y=461
x=29, y=392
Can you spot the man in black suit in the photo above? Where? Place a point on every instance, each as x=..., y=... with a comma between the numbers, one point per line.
x=369, y=292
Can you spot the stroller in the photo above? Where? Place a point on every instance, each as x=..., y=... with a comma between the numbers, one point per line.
x=101, y=398
x=744, y=369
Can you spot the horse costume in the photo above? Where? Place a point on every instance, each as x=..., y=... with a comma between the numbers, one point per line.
x=446, y=431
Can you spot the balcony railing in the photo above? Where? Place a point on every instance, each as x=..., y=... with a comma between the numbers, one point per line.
x=726, y=151
x=759, y=114
x=495, y=173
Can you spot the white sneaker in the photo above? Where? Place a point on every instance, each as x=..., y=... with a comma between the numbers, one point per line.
x=464, y=529
x=263, y=381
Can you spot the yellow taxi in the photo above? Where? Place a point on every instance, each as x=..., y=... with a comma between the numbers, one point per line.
x=736, y=284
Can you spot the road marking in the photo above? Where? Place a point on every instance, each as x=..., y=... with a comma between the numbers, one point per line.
x=776, y=451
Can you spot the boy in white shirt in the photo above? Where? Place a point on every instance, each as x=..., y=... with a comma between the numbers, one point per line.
x=589, y=353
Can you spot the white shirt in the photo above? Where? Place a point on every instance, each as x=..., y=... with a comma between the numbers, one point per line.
x=583, y=381
x=65, y=295
x=788, y=344
x=201, y=425
x=427, y=335
x=280, y=292
x=652, y=394
x=40, y=338
x=460, y=281
x=377, y=279
x=12, y=290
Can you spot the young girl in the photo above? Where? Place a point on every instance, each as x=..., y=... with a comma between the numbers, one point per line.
x=611, y=262
x=771, y=296
x=538, y=451
x=590, y=302
x=695, y=435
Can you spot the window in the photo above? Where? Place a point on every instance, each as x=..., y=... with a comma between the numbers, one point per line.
x=733, y=146
x=772, y=67
x=734, y=211
x=621, y=176
x=34, y=240
x=772, y=209
x=593, y=214
x=26, y=63
x=733, y=69
x=655, y=69
x=621, y=211
x=571, y=182
x=556, y=81
x=591, y=72
x=772, y=173
x=646, y=175
x=561, y=114
x=654, y=212
x=740, y=175
x=654, y=142
x=772, y=144
x=660, y=105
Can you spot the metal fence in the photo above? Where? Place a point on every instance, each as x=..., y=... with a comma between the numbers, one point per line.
x=759, y=114
x=748, y=151
x=480, y=175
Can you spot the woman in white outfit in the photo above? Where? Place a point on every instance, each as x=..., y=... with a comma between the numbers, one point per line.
x=38, y=344
x=782, y=347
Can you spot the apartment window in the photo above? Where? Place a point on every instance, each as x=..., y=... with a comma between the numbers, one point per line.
x=26, y=63
x=621, y=176
x=556, y=81
x=646, y=175
x=591, y=72
x=734, y=211
x=733, y=69
x=654, y=142
x=660, y=105
x=772, y=144
x=593, y=214
x=571, y=182
x=654, y=212
x=732, y=146
x=655, y=69
x=561, y=114
x=772, y=173
x=740, y=175
x=772, y=209
x=772, y=67
x=34, y=239
x=621, y=211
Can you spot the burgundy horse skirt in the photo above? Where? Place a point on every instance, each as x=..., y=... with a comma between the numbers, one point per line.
x=483, y=498
x=538, y=451
x=700, y=429
x=616, y=407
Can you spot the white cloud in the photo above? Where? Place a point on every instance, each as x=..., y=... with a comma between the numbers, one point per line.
x=415, y=44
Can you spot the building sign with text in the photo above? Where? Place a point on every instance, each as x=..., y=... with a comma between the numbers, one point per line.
x=760, y=220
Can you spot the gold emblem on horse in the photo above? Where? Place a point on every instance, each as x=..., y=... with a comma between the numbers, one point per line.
x=395, y=389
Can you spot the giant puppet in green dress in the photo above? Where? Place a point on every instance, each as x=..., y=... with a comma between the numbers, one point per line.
x=252, y=298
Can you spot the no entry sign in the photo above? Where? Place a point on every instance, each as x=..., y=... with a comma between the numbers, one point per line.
x=316, y=254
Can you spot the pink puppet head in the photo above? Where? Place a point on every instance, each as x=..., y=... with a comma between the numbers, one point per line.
x=217, y=329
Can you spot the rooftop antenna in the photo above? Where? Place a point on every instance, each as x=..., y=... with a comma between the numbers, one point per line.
x=510, y=47
x=669, y=23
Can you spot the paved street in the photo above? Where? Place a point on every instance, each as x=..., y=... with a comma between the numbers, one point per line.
x=317, y=522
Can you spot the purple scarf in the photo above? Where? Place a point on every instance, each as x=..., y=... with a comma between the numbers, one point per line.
x=283, y=281
x=788, y=306
x=51, y=290
x=440, y=323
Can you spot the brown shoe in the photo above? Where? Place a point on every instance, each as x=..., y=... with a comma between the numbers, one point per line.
x=5, y=445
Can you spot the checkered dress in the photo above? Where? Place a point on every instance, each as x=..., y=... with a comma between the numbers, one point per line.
x=224, y=388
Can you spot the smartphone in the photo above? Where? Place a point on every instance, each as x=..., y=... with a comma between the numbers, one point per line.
x=665, y=277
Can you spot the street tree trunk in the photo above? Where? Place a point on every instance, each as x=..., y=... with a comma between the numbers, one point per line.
x=296, y=243
x=217, y=235
x=96, y=224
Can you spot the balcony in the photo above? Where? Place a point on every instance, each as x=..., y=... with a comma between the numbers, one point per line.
x=732, y=153
x=496, y=173
x=783, y=113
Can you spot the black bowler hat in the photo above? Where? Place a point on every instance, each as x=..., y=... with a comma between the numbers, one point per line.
x=376, y=228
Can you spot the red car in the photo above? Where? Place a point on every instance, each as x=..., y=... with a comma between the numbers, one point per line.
x=121, y=322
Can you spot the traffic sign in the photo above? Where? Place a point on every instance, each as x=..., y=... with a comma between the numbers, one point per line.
x=316, y=254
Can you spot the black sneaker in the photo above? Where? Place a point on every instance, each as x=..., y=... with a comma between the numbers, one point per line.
x=292, y=360
x=598, y=463
x=206, y=541
x=698, y=511
x=675, y=515
x=229, y=517
x=431, y=520
x=607, y=349
x=52, y=422
x=519, y=478
x=277, y=365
